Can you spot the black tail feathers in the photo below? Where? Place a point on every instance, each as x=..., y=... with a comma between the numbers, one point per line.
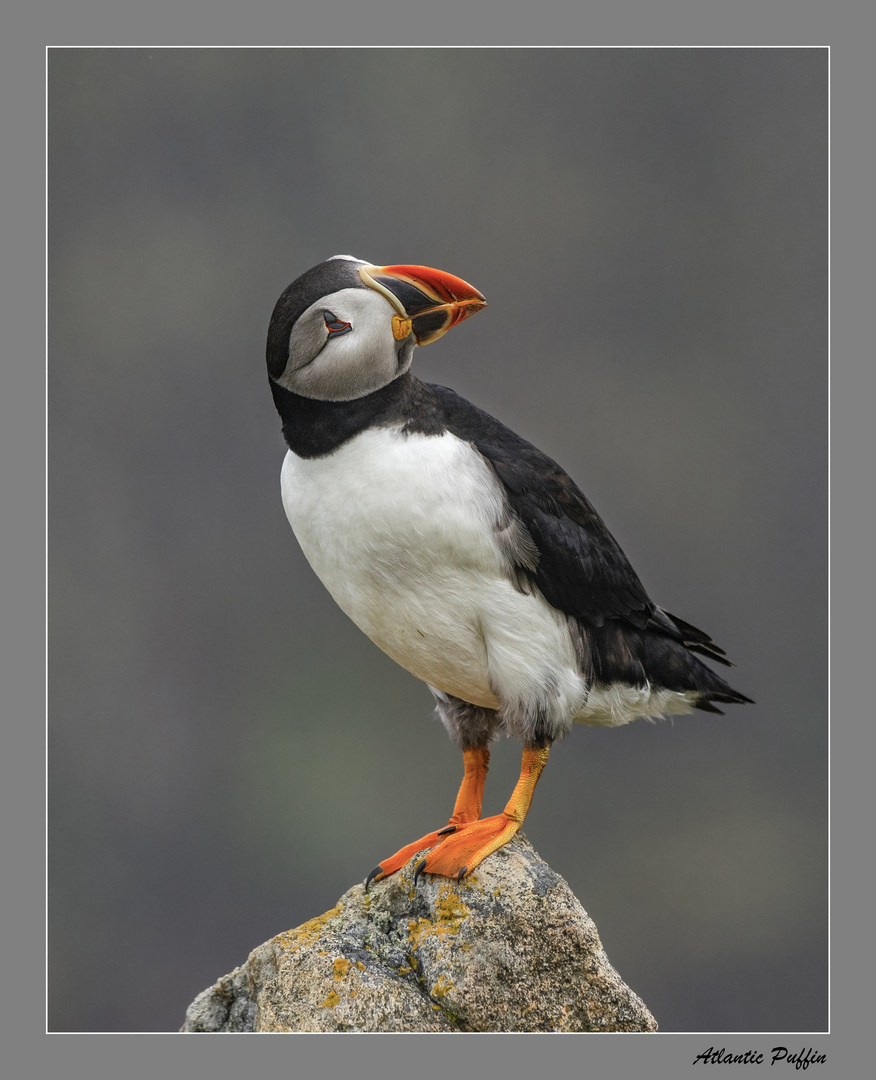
x=699, y=642
x=663, y=656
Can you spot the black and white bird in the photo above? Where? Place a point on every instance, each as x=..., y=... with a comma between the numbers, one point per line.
x=461, y=550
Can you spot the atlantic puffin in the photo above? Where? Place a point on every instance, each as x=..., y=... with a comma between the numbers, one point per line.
x=464, y=552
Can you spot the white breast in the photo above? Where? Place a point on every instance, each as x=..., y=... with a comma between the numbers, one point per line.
x=403, y=532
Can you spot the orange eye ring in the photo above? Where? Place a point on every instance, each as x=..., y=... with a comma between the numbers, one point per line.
x=334, y=325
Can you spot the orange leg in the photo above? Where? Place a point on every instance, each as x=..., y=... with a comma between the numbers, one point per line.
x=471, y=791
x=467, y=809
x=466, y=841
x=466, y=849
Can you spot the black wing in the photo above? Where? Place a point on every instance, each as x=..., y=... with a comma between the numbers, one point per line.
x=581, y=568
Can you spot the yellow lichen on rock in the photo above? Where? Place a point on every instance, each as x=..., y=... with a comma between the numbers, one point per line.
x=450, y=909
x=307, y=933
x=341, y=967
x=450, y=913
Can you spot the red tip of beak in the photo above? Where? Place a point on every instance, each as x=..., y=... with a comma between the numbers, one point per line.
x=445, y=288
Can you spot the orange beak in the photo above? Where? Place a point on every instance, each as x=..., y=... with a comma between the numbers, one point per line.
x=428, y=302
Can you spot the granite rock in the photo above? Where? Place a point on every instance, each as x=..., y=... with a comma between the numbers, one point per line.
x=510, y=948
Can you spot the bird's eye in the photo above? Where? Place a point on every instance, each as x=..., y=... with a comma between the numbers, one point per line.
x=334, y=325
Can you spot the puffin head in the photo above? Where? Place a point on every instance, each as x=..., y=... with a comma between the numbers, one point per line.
x=346, y=328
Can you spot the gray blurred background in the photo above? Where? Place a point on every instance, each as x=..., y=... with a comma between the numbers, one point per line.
x=228, y=754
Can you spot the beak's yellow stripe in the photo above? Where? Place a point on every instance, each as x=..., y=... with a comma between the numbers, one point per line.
x=382, y=289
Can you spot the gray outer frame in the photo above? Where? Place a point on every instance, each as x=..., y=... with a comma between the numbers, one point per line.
x=136, y=1055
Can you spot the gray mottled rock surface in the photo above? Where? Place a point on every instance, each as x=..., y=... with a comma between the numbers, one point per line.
x=508, y=949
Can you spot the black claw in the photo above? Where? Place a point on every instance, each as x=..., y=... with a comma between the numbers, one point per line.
x=461, y=874
x=446, y=830
x=377, y=870
x=421, y=866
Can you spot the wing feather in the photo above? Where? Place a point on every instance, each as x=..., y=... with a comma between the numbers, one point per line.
x=581, y=568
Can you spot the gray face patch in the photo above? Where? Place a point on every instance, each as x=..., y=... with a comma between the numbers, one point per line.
x=343, y=366
x=333, y=275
